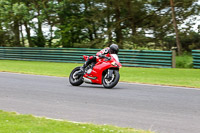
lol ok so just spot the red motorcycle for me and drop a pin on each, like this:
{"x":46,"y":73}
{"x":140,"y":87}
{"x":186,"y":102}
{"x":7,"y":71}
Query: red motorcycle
{"x":104,"y":71}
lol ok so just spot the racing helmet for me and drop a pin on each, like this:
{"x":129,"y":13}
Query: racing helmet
{"x":114,"y":49}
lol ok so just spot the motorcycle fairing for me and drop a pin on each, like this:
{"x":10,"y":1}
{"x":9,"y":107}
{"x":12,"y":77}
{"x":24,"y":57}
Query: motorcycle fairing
{"x":96,"y":75}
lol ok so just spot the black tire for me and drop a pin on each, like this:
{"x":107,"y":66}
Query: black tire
{"x":114,"y":81}
{"x":75,"y":81}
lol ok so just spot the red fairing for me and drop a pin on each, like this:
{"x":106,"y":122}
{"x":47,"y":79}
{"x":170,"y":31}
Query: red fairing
{"x":102,"y":64}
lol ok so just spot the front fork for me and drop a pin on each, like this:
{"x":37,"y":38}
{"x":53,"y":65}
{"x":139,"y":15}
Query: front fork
{"x":109,"y":74}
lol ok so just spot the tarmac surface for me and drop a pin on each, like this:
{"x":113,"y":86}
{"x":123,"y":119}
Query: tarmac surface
{"x":162,"y":109}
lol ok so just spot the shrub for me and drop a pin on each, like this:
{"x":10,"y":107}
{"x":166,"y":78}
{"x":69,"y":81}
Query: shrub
{"x":184,"y":61}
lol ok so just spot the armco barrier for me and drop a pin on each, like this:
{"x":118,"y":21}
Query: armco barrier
{"x":196,"y":58}
{"x":132,"y":58}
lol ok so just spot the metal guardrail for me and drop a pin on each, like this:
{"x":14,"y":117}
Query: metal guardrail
{"x":196,"y":58}
{"x":131,"y":58}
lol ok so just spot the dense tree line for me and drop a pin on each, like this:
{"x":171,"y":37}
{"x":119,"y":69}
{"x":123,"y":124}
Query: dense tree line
{"x":97,"y":23}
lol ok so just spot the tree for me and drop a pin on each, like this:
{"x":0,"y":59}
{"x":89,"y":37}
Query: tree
{"x":97,"y":23}
{"x":13,"y":14}
{"x":183,"y":9}
{"x":10,"y":18}
{"x":176,"y":28}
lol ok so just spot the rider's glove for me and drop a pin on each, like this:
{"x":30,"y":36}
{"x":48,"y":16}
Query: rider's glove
{"x":108,"y":58}
{"x":103,"y":56}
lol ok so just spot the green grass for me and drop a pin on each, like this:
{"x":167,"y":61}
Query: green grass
{"x":172,"y":77}
{"x":161,"y":76}
{"x":14,"y":123}
{"x":38,"y":68}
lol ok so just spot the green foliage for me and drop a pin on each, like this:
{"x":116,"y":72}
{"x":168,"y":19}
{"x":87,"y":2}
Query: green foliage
{"x":97,"y":23}
{"x":184,"y":61}
{"x":190,"y":40}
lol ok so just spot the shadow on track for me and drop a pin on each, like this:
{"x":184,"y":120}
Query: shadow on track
{"x":94,"y":86}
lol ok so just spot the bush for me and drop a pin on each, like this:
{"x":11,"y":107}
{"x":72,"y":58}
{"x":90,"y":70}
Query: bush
{"x":184,"y":61}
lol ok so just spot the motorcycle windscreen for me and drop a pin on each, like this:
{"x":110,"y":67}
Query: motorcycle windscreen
{"x":115,"y":56}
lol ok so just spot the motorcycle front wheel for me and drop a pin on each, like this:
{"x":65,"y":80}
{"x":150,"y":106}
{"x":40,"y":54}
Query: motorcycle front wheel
{"x":112,"y":82}
{"x":75,"y":79}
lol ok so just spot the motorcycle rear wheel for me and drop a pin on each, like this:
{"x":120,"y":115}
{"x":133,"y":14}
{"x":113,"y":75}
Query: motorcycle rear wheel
{"x":74,"y":79}
{"x":110,"y":83}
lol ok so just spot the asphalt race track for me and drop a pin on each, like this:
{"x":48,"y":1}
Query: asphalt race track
{"x":162,"y":109}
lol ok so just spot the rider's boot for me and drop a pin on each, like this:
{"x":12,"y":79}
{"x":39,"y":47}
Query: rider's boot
{"x":89,"y":61}
{"x":83,"y":67}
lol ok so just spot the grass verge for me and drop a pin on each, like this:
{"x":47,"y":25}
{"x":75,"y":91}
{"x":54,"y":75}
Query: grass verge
{"x":11,"y":122}
{"x":161,"y":76}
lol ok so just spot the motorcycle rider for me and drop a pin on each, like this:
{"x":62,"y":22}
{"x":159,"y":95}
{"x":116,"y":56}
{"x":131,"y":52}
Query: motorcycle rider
{"x":113,"y":49}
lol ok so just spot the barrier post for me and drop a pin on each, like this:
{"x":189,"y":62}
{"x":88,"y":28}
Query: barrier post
{"x":173,"y":49}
